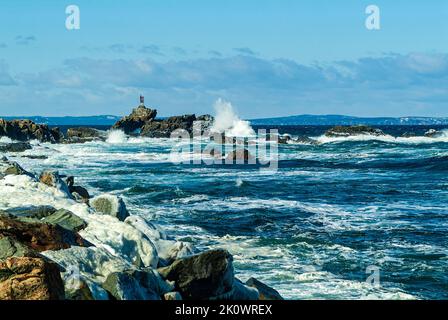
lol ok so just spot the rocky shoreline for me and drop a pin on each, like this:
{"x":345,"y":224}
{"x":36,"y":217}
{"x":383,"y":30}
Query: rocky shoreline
{"x":64,"y":244}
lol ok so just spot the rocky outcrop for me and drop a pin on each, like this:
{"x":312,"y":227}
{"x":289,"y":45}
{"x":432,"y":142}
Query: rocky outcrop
{"x":164,"y":128}
{"x":346,"y":131}
{"x":205,"y":276}
{"x":265,"y":292}
{"x":110,"y":205}
{"x":84,"y":134}
{"x":26,"y":278}
{"x":136,"y":120}
{"x":25,"y":130}
{"x":136,"y":285}
{"x":39,"y":236}
{"x":15,"y":147}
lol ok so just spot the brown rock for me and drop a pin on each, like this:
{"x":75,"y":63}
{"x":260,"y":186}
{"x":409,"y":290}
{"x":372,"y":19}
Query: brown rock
{"x":39,"y":236}
{"x":24,"y":278}
{"x":25,"y":130}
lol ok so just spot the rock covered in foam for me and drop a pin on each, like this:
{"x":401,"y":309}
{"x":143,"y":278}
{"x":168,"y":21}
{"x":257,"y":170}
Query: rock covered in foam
{"x":111,"y":205}
{"x":168,"y":250}
{"x":208,"y":275}
{"x":25,"y":278}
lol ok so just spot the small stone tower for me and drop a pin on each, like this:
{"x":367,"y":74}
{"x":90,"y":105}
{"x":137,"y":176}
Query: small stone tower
{"x":142,"y":101}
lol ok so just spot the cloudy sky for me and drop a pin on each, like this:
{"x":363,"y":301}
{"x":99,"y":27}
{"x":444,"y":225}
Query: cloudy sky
{"x":269,"y":58}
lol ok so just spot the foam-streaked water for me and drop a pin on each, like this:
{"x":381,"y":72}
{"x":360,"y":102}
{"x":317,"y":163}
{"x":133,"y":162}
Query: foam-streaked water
{"x":311,"y":229}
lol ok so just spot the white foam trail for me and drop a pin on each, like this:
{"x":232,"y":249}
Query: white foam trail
{"x":226,"y":120}
{"x":386,"y":138}
{"x":116,"y":137}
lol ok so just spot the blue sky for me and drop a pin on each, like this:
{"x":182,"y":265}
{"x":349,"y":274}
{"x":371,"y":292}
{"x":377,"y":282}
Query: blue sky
{"x":269,"y":58}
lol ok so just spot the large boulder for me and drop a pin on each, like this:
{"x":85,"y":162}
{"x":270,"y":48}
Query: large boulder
{"x":84,"y":134}
{"x":265,"y":292}
{"x":346,"y":131}
{"x":111,"y":205}
{"x":164,"y":128}
{"x":25,"y":130}
{"x":26,"y":278}
{"x":136,"y":120}
{"x":39,"y":236}
{"x":209,"y":275}
{"x":15,"y":147}
{"x":136,"y":285}
{"x":66,"y":219}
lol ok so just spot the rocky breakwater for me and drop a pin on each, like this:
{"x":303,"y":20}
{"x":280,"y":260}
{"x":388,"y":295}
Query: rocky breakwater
{"x":55,"y":245}
{"x":142,"y":121}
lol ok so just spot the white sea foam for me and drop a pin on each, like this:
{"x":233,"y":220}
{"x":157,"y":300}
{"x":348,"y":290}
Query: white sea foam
{"x":386,"y":138}
{"x":226,"y":120}
{"x":116,"y":137}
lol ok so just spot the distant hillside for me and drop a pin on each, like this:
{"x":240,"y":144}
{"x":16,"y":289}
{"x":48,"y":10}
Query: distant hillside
{"x":329,"y":120}
{"x":72,"y":121}
{"x":348,"y":120}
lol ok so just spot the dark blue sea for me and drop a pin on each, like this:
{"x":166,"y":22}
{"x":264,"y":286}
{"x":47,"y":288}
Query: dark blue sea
{"x":348,"y":218}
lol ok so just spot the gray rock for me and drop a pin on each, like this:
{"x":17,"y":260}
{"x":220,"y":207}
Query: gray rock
{"x":110,"y":205}
{"x":15,"y":147}
{"x":208,"y":275}
{"x":11,"y":168}
{"x":36,"y":212}
{"x":265,"y":292}
{"x":242,"y":292}
{"x":164,"y":128}
{"x":10,"y":247}
{"x":136,"y":285}
{"x":66,"y":219}
{"x":346,"y":131}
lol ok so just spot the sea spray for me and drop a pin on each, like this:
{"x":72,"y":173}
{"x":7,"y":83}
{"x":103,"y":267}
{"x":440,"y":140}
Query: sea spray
{"x":226,"y":120}
{"x":116,"y":137}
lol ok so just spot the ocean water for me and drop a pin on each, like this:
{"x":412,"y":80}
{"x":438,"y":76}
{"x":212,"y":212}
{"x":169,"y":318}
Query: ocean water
{"x":314,"y":229}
